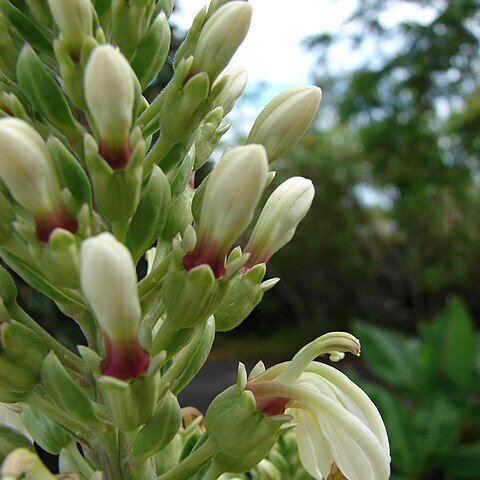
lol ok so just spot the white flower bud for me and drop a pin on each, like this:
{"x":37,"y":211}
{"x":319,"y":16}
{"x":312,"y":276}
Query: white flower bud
{"x":220,"y":37}
{"x":26,"y":168}
{"x":109,"y":93}
{"x":236,"y":79}
{"x":233,"y":192}
{"x":74,"y":20}
{"x":109,"y":283}
{"x":231,"y":195}
{"x":284,"y":210}
{"x":285,"y":120}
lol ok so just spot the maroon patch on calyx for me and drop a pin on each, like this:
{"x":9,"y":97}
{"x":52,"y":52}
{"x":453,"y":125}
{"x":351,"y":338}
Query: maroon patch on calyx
{"x":124,"y":361}
{"x":272,"y":406}
{"x":61,"y":219}
{"x":117,"y":158}
{"x":205,"y":255}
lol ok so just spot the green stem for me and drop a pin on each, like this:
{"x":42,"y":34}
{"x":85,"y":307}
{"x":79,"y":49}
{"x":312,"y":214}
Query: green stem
{"x":68,"y":358}
{"x":156,"y":154}
{"x":192,"y":463}
{"x":180,"y":362}
{"x":151,"y":281}
{"x":152,"y":111}
{"x":164,"y":336}
{"x":85,"y":321}
{"x":133,"y":469}
{"x":108,"y":454}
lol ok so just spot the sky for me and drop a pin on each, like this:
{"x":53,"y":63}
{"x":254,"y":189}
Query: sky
{"x":273,"y":53}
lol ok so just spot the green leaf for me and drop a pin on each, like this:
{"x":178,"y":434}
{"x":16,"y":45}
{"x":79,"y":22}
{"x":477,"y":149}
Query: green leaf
{"x":28,"y":29}
{"x":71,"y":173}
{"x":389,"y":354}
{"x":447,"y":357}
{"x":64,"y":392}
{"x":47,"y":433}
{"x":160,"y":429}
{"x":43,"y":91}
{"x":464,"y":464}
{"x":438,"y":426}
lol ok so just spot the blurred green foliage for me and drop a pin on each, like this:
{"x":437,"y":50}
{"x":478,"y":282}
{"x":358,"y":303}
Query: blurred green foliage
{"x":394,"y":229}
{"x":428,"y":392}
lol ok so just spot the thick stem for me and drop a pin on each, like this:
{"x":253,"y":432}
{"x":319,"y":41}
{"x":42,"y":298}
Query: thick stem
{"x":108,"y":454}
{"x":192,"y":463}
{"x":134,"y":469}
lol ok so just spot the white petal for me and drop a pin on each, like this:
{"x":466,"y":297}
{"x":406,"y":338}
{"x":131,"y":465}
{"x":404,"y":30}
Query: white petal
{"x":354,"y":399}
{"x":354,"y":447}
{"x":313,"y":448}
{"x":349,"y":455}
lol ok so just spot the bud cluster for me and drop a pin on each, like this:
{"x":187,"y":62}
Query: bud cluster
{"x":93,"y":179}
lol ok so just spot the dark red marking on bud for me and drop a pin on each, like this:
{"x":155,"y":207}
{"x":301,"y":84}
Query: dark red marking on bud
{"x":191,"y":73}
{"x":124,"y":361}
{"x":76,"y":56}
{"x":117,"y":158}
{"x":46,"y":225}
{"x":267,"y":405}
{"x":191,"y":180}
{"x":206,"y":255}
{"x":272,"y":406}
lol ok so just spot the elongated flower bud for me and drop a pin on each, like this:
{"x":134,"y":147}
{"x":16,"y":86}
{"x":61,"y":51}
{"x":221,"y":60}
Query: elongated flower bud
{"x":109,"y":283}
{"x":220,"y":37}
{"x":235,"y":80}
{"x":109,"y":93}
{"x":28,"y":173}
{"x":284,"y":210}
{"x":285,"y":120}
{"x":231,"y":195}
{"x":74,"y":20}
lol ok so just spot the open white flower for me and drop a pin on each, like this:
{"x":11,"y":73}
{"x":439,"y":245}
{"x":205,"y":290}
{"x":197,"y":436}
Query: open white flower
{"x":337,"y":423}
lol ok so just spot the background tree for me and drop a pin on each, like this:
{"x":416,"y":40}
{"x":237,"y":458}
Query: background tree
{"x":395,"y":226}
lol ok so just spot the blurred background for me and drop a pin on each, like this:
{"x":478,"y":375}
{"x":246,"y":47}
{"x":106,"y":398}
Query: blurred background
{"x":391,"y":247}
